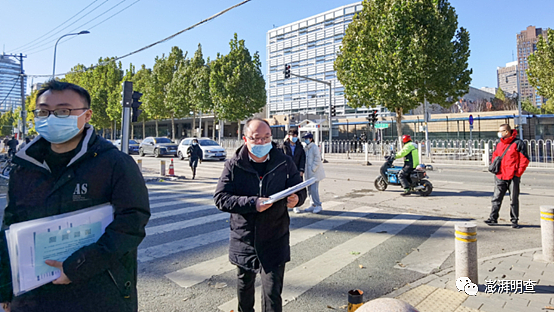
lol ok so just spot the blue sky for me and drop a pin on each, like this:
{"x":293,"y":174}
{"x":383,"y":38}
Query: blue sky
{"x":493,"y":25}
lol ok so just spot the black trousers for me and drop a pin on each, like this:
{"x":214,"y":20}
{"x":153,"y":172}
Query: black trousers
{"x":272,"y":286}
{"x":500,"y":188}
{"x":404,"y":176}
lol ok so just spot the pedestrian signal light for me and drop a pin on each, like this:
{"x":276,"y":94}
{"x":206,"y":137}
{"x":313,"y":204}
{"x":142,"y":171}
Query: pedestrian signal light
{"x":287,"y":71}
{"x":135,"y":104}
{"x":333,"y":111}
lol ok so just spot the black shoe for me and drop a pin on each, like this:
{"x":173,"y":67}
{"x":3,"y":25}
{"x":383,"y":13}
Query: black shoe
{"x":515,"y":225}
{"x":405,"y":193}
{"x":490,"y":221}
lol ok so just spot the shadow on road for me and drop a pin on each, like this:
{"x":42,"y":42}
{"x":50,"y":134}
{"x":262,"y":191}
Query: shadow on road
{"x":462,"y":193}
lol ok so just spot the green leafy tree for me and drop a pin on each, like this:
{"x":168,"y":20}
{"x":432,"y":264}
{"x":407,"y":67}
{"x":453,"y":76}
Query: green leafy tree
{"x":199,"y":85}
{"x":237,"y":86}
{"x":527,"y":106}
{"x":141,"y":81}
{"x":400,"y":53}
{"x":7,"y":120}
{"x":30,"y":106}
{"x":541,"y":66}
{"x":500,"y":95}
{"x":177,"y":97}
{"x":548,"y":107}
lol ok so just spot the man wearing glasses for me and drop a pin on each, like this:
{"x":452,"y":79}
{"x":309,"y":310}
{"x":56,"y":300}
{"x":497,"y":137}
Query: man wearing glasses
{"x":68,"y":168}
{"x":259,"y":241}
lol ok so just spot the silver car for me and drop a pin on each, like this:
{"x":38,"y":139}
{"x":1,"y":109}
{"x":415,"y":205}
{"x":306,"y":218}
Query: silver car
{"x":210,"y":149}
{"x":157,"y":147}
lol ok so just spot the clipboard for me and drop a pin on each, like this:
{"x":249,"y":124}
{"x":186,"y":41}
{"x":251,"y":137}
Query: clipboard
{"x":291,"y":190}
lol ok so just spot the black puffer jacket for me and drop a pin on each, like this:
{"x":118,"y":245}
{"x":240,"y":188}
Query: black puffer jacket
{"x":104,"y":274}
{"x":257,"y":235}
{"x":299,"y":156}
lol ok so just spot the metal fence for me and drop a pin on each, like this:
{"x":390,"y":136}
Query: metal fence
{"x":476,"y":152}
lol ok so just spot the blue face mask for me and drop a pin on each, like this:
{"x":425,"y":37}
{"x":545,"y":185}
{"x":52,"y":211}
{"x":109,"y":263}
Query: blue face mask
{"x":307,"y":141}
{"x":58,"y":130}
{"x":261,"y":150}
{"x":194,"y":143}
{"x":294,"y":139}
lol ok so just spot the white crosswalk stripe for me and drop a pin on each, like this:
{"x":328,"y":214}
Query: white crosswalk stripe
{"x":184,"y":208}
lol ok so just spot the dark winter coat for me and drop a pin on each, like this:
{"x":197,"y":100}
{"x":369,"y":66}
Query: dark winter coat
{"x":515,"y":161}
{"x":299,"y":156}
{"x":194,"y":152}
{"x":104,"y":274}
{"x":262,"y":236}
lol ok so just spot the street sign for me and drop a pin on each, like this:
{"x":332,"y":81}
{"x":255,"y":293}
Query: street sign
{"x":471,"y":120}
{"x":470,"y":127}
{"x":520,"y":121}
{"x":381,"y":125}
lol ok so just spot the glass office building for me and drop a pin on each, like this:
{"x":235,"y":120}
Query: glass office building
{"x":310,"y":47}
{"x":10,"y":84}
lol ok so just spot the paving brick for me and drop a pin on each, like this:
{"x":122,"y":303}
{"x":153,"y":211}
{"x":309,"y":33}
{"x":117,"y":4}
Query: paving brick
{"x":536,"y":306}
{"x":416,"y":295}
{"x":535,"y":297}
{"x":516,"y":303}
{"x":533,"y":272}
{"x":442,"y":300}
{"x":438,"y":283}
{"x":474,"y":302}
{"x":465,"y":309}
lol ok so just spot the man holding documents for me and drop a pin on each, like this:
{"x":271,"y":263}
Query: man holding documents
{"x":66,"y":169}
{"x":259,"y":241}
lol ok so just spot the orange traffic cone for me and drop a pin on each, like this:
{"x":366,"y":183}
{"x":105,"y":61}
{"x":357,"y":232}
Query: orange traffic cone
{"x":171,"y":170}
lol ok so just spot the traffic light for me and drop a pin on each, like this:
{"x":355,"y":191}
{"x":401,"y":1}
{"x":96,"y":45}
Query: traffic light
{"x":287,"y":71}
{"x":135,"y":105}
{"x":333,"y":111}
{"x":126,"y":92}
{"x":374,"y":116}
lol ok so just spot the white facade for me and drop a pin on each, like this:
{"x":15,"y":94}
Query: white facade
{"x":310,"y":47}
{"x":10,"y":84}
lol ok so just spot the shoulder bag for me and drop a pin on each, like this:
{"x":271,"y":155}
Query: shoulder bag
{"x":494,"y":167}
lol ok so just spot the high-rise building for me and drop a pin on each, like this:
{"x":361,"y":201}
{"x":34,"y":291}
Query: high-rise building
{"x":10,"y":84}
{"x":310,"y":47}
{"x":526,"y":45}
{"x":507,"y":78}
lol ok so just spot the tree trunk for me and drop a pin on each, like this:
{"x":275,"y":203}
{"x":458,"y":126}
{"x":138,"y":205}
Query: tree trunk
{"x":143,"y":128}
{"x":194,"y":133}
{"x":157,"y":134}
{"x":399,"y":125}
{"x":132,"y":131}
{"x":173,"y":126}
{"x":238,"y":130}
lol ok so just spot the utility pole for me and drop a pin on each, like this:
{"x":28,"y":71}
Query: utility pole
{"x":23,"y":108}
{"x":126,"y":101}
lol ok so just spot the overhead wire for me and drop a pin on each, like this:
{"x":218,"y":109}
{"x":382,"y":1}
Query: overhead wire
{"x":47,"y":40}
{"x":20,"y":47}
{"x":89,"y":28}
{"x":160,"y":41}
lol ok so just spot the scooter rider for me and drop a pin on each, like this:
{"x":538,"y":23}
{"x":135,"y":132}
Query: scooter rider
{"x":411,"y":161}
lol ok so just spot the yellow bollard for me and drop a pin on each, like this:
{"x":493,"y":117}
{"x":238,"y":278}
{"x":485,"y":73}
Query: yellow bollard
{"x":162,"y":168}
{"x":355,"y":300}
{"x":139,"y":163}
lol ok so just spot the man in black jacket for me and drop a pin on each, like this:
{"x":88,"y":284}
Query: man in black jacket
{"x":294,"y":149}
{"x":68,"y":170}
{"x":195,"y":153}
{"x":259,"y":241}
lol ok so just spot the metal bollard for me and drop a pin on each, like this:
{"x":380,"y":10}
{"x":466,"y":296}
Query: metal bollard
{"x":355,"y":299}
{"x":547,"y":233}
{"x":162,"y":167}
{"x":466,"y":251}
{"x":139,"y":163}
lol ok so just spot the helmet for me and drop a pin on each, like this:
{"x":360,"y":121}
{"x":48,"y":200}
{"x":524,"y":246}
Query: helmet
{"x":406,"y":138}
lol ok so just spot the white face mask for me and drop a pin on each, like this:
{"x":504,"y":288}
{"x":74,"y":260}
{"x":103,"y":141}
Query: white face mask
{"x":499,"y":134}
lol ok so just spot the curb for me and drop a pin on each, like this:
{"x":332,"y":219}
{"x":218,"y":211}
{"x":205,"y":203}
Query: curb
{"x":429,"y":278}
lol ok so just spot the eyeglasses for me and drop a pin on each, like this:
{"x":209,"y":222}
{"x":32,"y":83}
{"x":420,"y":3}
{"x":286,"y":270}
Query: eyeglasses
{"x":60,"y":112}
{"x":262,"y":140}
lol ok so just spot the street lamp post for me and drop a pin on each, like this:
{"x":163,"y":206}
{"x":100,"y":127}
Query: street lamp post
{"x":84,"y":32}
{"x":518,"y":101}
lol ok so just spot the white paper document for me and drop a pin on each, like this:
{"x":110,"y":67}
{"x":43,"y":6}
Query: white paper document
{"x":32,"y":242}
{"x":291,"y":190}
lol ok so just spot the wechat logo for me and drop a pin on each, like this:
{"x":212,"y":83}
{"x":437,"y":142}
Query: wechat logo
{"x":465,"y":284}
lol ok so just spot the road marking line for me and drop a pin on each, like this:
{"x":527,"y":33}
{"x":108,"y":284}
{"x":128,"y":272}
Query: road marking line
{"x":202,"y":271}
{"x":307,"y":275}
{"x":202,"y":198}
{"x":164,"y":250}
{"x":164,"y":228}
{"x":181,"y":211}
{"x":431,"y":253}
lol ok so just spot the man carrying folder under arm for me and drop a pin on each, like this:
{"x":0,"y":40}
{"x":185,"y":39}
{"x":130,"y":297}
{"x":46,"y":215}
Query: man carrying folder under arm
{"x":259,"y":241}
{"x":68,"y":168}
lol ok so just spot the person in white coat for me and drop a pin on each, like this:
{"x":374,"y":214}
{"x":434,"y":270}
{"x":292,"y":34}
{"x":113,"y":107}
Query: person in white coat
{"x":314,"y":168}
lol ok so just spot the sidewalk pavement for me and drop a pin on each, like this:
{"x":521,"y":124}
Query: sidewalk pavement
{"x":512,"y":291}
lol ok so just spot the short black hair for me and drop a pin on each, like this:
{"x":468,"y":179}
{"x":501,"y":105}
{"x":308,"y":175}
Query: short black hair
{"x":507,"y":126}
{"x":56,"y":85}
{"x":247,"y":124}
{"x":293,"y":132}
{"x":195,"y":140}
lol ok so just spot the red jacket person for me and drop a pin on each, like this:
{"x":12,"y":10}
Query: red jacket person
{"x":512,"y":167}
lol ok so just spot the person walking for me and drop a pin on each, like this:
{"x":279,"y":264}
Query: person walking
{"x":512,"y":167}
{"x":293,"y":148}
{"x":22,"y":145}
{"x":259,"y":239}
{"x":314,"y":169}
{"x":195,"y":154}
{"x":411,"y":161}
{"x":5,"y":142}
{"x":66,"y":169}
{"x":12,"y":144}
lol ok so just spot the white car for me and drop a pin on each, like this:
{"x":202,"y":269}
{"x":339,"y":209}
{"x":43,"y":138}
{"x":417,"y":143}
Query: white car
{"x":210,"y":148}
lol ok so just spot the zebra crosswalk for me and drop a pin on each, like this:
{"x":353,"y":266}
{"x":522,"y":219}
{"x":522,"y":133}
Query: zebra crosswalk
{"x":185,"y":221}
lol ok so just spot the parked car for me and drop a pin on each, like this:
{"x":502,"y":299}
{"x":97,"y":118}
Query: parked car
{"x":133,"y":146}
{"x":211,"y":150}
{"x":157,"y":147}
